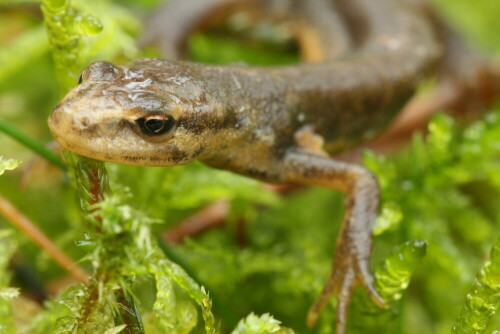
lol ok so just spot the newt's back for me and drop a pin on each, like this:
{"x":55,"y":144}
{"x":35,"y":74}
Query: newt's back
{"x":363,"y":59}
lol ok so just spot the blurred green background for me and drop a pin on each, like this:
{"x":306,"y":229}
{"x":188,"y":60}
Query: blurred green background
{"x":289,"y":239}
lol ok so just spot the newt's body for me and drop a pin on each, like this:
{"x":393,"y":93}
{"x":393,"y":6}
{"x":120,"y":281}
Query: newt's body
{"x":271,"y":123}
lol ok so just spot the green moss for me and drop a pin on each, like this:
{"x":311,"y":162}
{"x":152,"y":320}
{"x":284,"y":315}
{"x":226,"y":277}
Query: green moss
{"x":8,"y":164}
{"x":66,"y":26}
{"x":442,"y":189}
{"x":483,"y":298}
{"x":7,"y":248}
{"x":265,"y":324}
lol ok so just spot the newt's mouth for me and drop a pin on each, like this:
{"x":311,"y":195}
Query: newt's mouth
{"x":111,"y":140}
{"x":82,"y":133}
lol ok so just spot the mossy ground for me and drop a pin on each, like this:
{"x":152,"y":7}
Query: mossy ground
{"x":442,"y":190}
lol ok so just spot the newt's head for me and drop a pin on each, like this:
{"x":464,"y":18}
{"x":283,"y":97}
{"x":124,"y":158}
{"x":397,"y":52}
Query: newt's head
{"x":150,"y":113}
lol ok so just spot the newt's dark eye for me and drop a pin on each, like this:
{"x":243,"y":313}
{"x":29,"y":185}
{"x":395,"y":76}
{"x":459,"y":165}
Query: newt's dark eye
{"x":80,"y":79}
{"x":155,"y":125}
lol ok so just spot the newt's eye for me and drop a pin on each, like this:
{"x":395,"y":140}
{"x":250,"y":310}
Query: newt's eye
{"x":155,"y":125}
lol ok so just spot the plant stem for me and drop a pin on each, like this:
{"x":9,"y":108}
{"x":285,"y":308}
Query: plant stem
{"x":37,"y":236}
{"x":32,"y":144}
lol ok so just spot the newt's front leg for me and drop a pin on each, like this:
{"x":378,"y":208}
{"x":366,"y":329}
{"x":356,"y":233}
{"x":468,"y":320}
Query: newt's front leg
{"x":351,"y":261}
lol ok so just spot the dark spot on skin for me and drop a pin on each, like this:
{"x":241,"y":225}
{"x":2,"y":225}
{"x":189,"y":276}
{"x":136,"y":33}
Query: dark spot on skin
{"x":310,"y":173}
{"x":257,"y":174}
{"x":253,"y":137}
{"x":84,"y":121}
{"x":198,"y":151}
{"x":195,"y":125}
{"x":238,"y":125}
{"x":173,"y":153}
{"x":178,"y":155}
{"x":155,"y":159}
{"x":230,"y":120}
{"x":57,"y":106}
{"x":203,"y":122}
{"x":132,"y":158}
{"x":88,"y":130}
{"x":202,"y":99}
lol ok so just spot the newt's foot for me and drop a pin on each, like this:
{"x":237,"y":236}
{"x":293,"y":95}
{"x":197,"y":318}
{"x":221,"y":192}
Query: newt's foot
{"x":350,"y":270}
{"x":351,"y":267}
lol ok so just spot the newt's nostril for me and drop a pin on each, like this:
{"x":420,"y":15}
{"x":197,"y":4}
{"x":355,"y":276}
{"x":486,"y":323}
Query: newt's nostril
{"x":84,"y":121}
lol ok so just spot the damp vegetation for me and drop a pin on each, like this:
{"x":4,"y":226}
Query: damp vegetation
{"x":436,"y":247}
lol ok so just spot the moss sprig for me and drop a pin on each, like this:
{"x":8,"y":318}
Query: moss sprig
{"x":483,"y":299}
{"x":392,"y":277}
{"x":7,"y":248}
{"x":8,"y":164}
{"x":65,"y":27}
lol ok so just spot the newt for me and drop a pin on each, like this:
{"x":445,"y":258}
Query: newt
{"x":363,"y":60}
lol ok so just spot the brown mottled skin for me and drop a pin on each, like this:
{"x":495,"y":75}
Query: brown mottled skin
{"x":367,"y":59}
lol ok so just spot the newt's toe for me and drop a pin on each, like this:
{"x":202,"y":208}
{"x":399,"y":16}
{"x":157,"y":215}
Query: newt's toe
{"x":344,"y":278}
{"x":366,"y":280}
{"x":329,"y":289}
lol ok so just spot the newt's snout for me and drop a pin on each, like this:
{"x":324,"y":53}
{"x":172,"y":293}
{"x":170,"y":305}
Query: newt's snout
{"x":85,"y":123}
